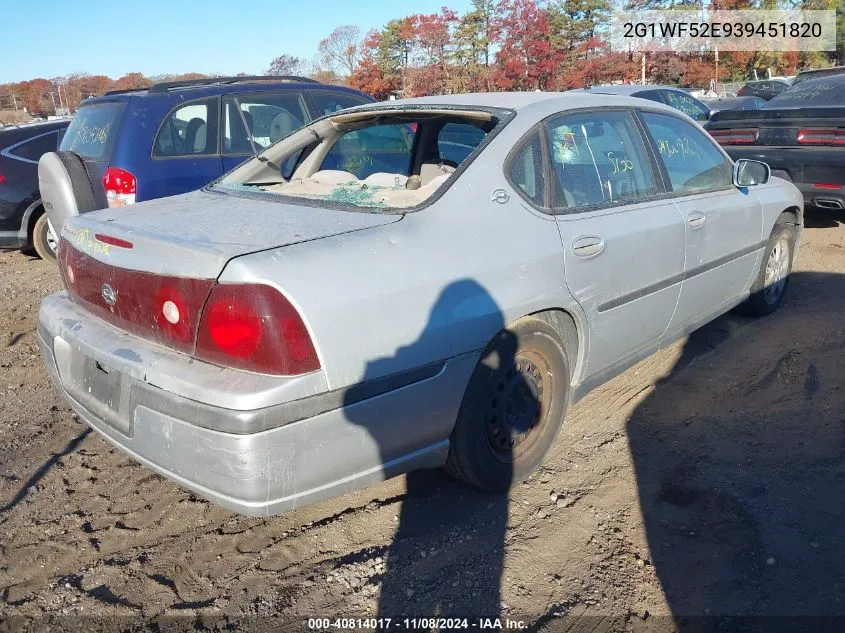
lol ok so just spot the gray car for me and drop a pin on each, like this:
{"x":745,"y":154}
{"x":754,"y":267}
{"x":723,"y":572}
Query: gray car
{"x":406,"y":285}
{"x":675,"y":97}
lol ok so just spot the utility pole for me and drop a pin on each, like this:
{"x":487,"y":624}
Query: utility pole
{"x":716,"y":53}
{"x":15,"y":101}
{"x":642,"y":70}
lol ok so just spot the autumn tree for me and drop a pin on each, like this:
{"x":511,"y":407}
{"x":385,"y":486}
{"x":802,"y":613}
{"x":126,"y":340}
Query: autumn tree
{"x":132,"y":81}
{"x":475,"y":36}
{"x":340,"y":51}
{"x":376,"y":73}
{"x":286,"y":64}
{"x":526,"y":59}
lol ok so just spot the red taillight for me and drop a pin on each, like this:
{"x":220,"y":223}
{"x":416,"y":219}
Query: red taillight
{"x":234,"y":328}
{"x":746,"y":136}
{"x":159,"y":308}
{"x":2,"y":178}
{"x":254,"y":327}
{"x":244,"y":326}
{"x":821,"y":136}
{"x":120,"y":185}
{"x":825,"y":185}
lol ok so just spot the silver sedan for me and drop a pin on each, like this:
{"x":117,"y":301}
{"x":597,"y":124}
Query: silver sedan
{"x":406,"y":285}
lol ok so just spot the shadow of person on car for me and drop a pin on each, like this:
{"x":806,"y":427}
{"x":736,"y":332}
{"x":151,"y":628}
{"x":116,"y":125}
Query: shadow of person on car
{"x":446,"y":557}
{"x":739,"y":456}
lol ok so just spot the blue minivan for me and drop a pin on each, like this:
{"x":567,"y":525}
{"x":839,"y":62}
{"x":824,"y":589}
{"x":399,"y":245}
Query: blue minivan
{"x":176,"y":137}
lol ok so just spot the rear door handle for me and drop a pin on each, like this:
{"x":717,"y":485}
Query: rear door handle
{"x":587,"y":246}
{"x":696,"y":219}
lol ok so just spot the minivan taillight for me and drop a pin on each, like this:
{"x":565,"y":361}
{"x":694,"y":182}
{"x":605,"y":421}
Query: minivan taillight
{"x":255,"y":328}
{"x":120,"y":186}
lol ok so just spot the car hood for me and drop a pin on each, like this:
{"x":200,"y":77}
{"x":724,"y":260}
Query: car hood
{"x":195,"y":234}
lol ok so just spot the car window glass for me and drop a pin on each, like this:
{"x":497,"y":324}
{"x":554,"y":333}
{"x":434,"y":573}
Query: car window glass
{"x":597,"y":158}
{"x":651,"y":95}
{"x":188,"y":130}
{"x":824,"y":91}
{"x":379,"y":148}
{"x":686,"y":104}
{"x":93,"y":130}
{"x":327,"y":102}
{"x":456,"y":141}
{"x":34,"y":148}
{"x":260,"y":119}
{"x":525,"y":171}
{"x":692,"y":160}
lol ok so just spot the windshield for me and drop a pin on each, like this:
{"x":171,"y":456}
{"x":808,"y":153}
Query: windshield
{"x":394,"y":160}
{"x":92,"y":131}
{"x":824,"y":91}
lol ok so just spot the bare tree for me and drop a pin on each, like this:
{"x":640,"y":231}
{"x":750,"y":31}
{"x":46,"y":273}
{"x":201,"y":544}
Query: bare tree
{"x":286,"y":64}
{"x":340,"y":51}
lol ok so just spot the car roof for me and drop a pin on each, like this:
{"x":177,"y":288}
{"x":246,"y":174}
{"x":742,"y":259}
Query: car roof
{"x":35,"y":127}
{"x":741,"y":99}
{"x":829,"y":70}
{"x":779,"y":80}
{"x":516,"y":101}
{"x":624,"y":89}
{"x":217,"y":86}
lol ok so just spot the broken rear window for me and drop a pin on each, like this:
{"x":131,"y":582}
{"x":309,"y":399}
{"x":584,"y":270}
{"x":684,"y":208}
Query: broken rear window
{"x":376,"y":160}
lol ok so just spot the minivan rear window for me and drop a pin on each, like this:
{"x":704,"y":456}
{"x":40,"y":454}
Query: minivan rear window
{"x":93,"y":130}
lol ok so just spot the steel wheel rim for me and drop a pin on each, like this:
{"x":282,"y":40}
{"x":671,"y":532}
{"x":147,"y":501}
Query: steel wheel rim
{"x":519,"y":405}
{"x":52,"y":240}
{"x":777,"y":268}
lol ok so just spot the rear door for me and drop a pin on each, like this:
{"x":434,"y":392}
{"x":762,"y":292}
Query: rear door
{"x":623,"y":244}
{"x":92,"y":134}
{"x":723,"y":224}
{"x":254,"y":121}
{"x":185,"y":153}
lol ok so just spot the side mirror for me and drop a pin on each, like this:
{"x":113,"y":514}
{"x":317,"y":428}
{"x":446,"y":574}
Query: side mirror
{"x":748,"y":173}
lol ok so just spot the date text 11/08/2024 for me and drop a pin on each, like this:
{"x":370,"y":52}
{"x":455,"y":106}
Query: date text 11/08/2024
{"x":424,"y":624}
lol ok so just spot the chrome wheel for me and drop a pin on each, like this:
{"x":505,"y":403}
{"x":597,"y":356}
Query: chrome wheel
{"x":52,"y":239}
{"x":777,"y":270}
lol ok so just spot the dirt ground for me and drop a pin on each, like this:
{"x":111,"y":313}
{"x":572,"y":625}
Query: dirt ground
{"x":706,"y":481}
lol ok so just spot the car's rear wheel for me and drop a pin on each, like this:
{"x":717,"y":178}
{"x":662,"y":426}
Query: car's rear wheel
{"x":44,"y":239}
{"x":513,"y":407}
{"x":769,"y":288}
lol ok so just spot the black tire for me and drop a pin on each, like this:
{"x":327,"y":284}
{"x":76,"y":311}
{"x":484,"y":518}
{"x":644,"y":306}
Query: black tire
{"x":513,"y":407}
{"x":41,"y":240}
{"x":766,"y":297}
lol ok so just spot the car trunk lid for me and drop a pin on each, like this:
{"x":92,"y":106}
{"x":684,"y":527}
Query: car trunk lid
{"x":149,"y":269}
{"x":195,"y":234}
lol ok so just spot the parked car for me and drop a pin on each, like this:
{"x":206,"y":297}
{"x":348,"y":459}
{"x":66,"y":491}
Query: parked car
{"x":766,"y":90}
{"x":678,"y":98}
{"x":804,"y":75}
{"x":720,"y":104}
{"x":22,"y":220}
{"x":174,"y":137}
{"x":800,"y":134}
{"x":277,"y":339}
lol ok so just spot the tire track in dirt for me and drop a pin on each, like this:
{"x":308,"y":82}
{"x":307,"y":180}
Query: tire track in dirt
{"x":576,"y":545}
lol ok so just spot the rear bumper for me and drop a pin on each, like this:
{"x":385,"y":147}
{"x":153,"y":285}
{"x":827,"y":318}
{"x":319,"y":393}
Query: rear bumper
{"x":288,"y":462}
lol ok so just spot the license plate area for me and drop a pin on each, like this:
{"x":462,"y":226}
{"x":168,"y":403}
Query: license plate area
{"x":101,"y":389}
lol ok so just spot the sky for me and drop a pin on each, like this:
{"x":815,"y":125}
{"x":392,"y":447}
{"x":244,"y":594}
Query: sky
{"x":49,"y":38}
